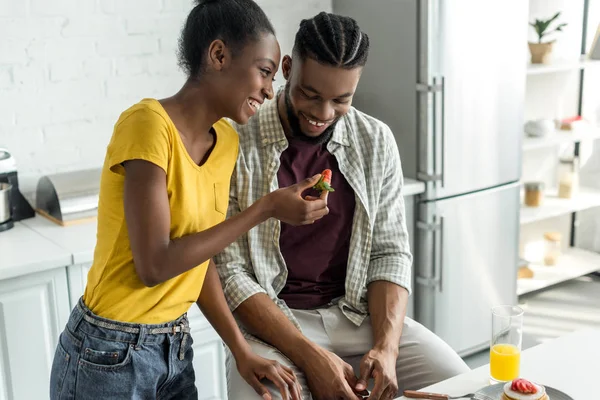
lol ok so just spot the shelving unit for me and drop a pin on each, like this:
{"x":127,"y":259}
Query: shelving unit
{"x":554,"y":206}
{"x":572,"y":264}
{"x":561,"y":137}
{"x":562,"y":66}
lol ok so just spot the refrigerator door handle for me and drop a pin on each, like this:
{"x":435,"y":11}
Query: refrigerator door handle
{"x":439,"y":257}
{"x":439,"y":128}
{"x":438,"y":134}
{"x":443,"y":131}
{"x":436,"y":252}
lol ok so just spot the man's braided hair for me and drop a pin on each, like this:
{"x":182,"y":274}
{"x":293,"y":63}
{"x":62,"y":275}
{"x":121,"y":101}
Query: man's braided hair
{"x":332,"y":39}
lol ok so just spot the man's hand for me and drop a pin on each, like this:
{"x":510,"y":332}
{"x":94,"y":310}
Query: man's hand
{"x":254,"y":368}
{"x":380,"y":365}
{"x":329,"y":377}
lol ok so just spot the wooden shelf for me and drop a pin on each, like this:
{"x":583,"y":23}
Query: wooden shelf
{"x":572,"y":264}
{"x":561,"y":137}
{"x":553,"y":206}
{"x":561,"y":66}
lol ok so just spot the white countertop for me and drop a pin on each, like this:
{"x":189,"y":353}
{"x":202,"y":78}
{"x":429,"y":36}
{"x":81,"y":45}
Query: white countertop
{"x":412,"y":187}
{"x":24,"y":251}
{"x":79,"y":239}
{"x":569,"y":364}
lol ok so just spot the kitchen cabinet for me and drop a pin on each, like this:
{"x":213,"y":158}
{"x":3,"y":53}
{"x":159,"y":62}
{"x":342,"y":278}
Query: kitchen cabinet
{"x":34,"y":309}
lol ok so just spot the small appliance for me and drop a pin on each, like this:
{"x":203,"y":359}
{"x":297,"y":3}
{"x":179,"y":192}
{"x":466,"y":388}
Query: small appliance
{"x":18,"y":206}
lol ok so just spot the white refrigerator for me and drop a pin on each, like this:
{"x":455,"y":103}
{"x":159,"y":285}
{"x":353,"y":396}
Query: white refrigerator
{"x":448,"y":77}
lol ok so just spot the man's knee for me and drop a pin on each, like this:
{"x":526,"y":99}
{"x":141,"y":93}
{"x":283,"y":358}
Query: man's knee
{"x":432,"y":359}
{"x":449,"y":362}
{"x":238,"y":388}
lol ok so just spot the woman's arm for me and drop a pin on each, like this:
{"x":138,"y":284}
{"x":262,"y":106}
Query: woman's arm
{"x":157,"y":258}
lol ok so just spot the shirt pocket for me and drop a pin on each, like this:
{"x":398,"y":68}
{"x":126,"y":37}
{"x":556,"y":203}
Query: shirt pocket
{"x":221,"y":197}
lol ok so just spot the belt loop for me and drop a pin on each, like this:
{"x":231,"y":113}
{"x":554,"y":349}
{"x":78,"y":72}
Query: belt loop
{"x":184,"y":324}
{"x":141,"y":337}
{"x":77,"y":315}
{"x":183,"y":343}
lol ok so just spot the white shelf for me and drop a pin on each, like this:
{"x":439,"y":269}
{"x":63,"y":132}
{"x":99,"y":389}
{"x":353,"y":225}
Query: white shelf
{"x":561,"y":66}
{"x":412,"y":187}
{"x":572,"y":264}
{"x":553,"y":206}
{"x":561,"y":137}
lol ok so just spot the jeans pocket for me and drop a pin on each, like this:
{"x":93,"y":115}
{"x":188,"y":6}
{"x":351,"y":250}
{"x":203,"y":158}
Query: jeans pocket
{"x":104,"y":354}
{"x":60,"y":364}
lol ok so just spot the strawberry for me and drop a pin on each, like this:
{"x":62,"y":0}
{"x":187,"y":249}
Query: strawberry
{"x":531,"y":388}
{"x":324,"y":183}
{"x":523,"y":386}
{"x":515,"y":386}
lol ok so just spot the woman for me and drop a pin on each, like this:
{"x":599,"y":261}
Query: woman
{"x":161,"y":217}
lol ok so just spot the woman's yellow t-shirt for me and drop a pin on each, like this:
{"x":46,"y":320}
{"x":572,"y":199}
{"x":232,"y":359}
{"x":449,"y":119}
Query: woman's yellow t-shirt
{"x":198,"y":199}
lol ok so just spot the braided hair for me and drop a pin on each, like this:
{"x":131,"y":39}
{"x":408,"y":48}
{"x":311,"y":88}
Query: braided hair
{"x":332,"y":39}
{"x":235,"y":22}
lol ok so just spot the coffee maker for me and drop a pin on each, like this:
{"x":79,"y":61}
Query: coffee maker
{"x":19,"y":207}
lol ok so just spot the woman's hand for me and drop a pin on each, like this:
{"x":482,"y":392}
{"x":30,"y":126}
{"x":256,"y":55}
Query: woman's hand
{"x":253,"y":368}
{"x":287,"y":205}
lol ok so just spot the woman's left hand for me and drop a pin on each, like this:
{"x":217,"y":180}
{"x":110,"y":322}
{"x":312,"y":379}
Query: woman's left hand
{"x":253,"y":368}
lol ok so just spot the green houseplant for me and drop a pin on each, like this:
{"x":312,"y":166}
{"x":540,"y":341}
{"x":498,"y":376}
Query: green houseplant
{"x":540,"y":51}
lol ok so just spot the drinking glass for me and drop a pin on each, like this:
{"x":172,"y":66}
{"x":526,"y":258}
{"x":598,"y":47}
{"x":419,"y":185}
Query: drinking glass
{"x":505,"y":345}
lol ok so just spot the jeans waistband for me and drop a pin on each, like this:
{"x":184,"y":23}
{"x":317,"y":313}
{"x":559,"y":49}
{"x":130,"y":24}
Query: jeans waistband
{"x":142,"y":331}
{"x":179,"y":325}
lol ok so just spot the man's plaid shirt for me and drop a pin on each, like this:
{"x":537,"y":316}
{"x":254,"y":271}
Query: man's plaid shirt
{"x":368,"y":158}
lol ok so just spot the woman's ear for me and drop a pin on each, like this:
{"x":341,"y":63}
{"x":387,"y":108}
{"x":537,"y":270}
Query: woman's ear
{"x":218,"y":55}
{"x":286,"y":66}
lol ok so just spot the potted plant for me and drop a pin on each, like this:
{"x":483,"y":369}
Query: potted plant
{"x":540,"y":52}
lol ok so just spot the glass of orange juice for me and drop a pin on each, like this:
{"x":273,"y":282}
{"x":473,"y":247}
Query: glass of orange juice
{"x":505,"y":346}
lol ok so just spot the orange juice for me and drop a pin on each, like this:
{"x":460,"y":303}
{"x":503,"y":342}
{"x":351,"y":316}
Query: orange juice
{"x":504,"y":362}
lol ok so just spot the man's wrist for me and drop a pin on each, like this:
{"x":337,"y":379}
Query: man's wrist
{"x":387,"y":347}
{"x":303,"y":351}
{"x":388,"y":344}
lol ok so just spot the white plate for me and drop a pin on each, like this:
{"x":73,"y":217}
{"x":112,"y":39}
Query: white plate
{"x":496,"y":391}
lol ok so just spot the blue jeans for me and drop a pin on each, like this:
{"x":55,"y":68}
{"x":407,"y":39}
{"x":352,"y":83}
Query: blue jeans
{"x":97,"y":358}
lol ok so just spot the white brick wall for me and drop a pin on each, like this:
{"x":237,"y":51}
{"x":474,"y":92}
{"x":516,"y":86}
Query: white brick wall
{"x":68,"y":68}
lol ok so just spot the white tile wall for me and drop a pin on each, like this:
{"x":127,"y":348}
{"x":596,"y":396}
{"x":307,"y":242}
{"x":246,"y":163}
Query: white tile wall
{"x":69,"y":67}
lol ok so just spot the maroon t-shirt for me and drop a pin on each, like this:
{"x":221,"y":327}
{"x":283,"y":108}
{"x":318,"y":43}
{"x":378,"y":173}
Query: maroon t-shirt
{"x":316,"y":255}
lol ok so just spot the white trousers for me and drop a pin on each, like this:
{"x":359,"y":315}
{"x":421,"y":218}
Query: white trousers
{"x":423,"y":358}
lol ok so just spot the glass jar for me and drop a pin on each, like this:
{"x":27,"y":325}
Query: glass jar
{"x":552,"y":249}
{"x":534,"y":194}
{"x":568,"y":178}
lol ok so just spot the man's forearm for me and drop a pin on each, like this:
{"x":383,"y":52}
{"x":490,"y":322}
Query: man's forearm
{"x":263,"y":318}
{"x":387,"y":306}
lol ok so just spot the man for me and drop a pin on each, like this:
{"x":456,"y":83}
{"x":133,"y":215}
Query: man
{"x":328,"y":299}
